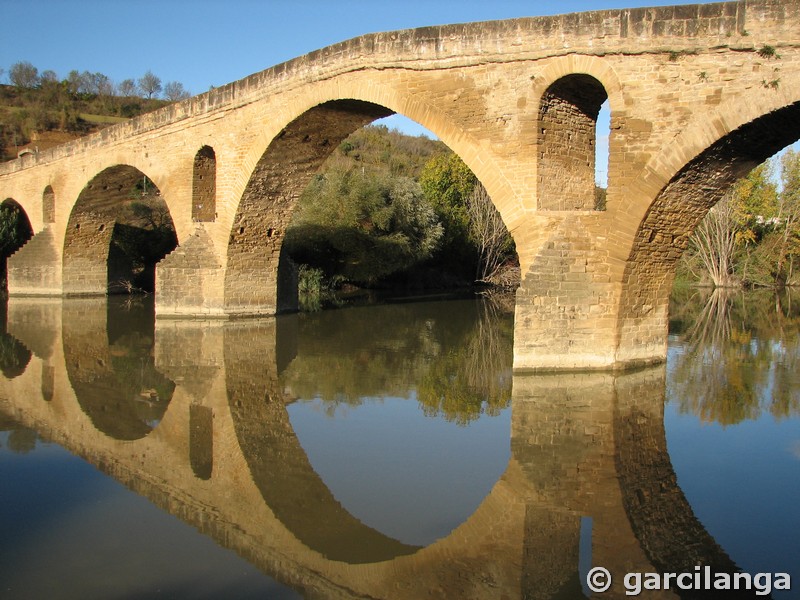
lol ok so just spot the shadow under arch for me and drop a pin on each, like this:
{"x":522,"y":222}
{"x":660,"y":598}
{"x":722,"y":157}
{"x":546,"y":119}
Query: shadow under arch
{"x":108,"y":350}
{"x":15,"y":231}
{"x":119,"y":228}
{"x":663,"y":234}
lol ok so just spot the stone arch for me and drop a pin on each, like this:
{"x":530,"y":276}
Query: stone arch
{"x":567,"y":120}
{"x":119,"y":228}
{"x":284,"y":170}
{"x":48,"y":205}
{"x":18,"y":232}
{"x":281,"y":175}
{"x":475,"y":154}
{"x":204,"y":185}
{"x":664,"y":231}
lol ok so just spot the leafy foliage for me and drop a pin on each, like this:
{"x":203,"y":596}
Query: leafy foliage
{"x":388,"y":207}
{"x":448,"y":184}
{"x":752,"y":236}
{"x":362,"y":227}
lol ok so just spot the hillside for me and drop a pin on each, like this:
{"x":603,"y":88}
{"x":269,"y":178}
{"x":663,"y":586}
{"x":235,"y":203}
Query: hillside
{"x":39,"y":118}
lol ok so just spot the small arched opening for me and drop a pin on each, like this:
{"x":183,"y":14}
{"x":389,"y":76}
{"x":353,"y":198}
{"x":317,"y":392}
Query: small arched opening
{"x":204,"y":185}
{"x":568,"y":139}
{"x":48,"y":205}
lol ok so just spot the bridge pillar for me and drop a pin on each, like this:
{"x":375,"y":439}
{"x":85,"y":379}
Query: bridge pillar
{"x":566,"y":304}
{"x":35,"y":269}
{"x":190,"y":280}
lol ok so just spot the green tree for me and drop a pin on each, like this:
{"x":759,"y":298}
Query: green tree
{"x":362,"y":226}
{"x":448,"y":184}
{"x":788,"y":217}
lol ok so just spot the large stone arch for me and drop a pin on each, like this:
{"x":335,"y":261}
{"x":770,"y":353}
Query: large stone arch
{"x":266,"y":206}
{"x":385,"y":94}
{"x":729,"y":144}
{"x":106,"y":210}
{"x":284,"y":169}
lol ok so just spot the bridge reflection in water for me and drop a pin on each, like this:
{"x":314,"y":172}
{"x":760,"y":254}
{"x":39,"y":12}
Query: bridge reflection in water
{"x":193,"y":416}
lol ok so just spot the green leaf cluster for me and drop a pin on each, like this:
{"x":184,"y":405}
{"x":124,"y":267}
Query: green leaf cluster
{"x":362,"y":225}
{"x":762,"y":214}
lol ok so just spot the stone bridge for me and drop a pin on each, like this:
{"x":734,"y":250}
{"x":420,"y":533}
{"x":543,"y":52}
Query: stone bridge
{"x":698,"y":95}
{"x":218,"y":450}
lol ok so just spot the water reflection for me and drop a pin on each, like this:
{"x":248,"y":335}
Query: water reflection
{"x":736,"y":355}
{"x":455,"y":357}
{"x":109,"y":349}
{"x":586,"y":478}
{"x":14,"y":356}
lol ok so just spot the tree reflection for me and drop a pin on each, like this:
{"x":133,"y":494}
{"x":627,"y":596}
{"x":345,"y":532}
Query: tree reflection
{"x":455,"y":358}
{"x":474,"y":376}
{"x":737,"y":355}
{"x":20,"y":440}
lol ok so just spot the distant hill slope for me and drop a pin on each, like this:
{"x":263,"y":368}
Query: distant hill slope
{"x":39,"y":118}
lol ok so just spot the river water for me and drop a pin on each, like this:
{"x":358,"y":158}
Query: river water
{"x":389,"y":451}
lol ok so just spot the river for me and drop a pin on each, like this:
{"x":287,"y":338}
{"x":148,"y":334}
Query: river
{"x":388,"y":451}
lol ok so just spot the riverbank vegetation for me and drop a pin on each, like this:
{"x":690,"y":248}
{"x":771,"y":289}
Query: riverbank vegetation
{"x":736,"y":353}
{"x":392,"y":211}
{"x":751,"y":238}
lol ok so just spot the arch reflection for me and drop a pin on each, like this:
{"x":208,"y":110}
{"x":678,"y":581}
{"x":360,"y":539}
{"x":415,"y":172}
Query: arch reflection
{"x":584,"y":448}
{"x":108,"y":350}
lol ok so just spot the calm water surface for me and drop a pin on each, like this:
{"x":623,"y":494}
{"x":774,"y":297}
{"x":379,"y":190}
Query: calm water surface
{"x":387,"y":451}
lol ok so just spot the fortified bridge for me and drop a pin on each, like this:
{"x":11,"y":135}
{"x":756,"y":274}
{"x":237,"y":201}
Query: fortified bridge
{"x":698,"y":96}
